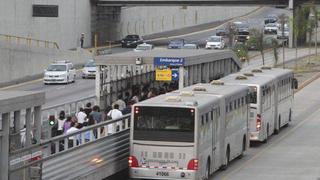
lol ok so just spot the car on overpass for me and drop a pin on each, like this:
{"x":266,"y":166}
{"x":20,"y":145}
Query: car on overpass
{"x":215,"y":42}
{"x":60,"y":72}
{"x":89,"y":69}
{"x":271,"y":28}
{"x":176,"y":44}
{"x":143,"y":47}
{"x":191,"y":46}
{"x":270,"y":19}
{"x":132,"y":41}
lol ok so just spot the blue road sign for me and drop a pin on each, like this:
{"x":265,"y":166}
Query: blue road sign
{"x":168,"y":61}
{"x":175,"y":74}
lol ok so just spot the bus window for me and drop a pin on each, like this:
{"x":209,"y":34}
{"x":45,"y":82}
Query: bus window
{"x":164,"y":124}
{"x":253,"y":95}
{"x":294,"y":83}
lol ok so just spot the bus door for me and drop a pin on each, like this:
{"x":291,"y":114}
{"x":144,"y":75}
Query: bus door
{"x":274,"y":105}
{"x":215,"y":146}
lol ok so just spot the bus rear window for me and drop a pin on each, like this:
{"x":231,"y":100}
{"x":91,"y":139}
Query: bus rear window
{"x":253,"y":94}
{"x":164,"y":124}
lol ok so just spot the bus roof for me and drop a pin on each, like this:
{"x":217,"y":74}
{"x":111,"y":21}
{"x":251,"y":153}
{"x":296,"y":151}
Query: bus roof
{"x":240,"y":78}
{"x":275,"y":72}
{"x":177,"y":100}
{"x":219,"y":90}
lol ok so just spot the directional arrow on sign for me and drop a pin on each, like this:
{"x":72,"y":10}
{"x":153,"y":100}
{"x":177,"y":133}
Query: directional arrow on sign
{"x":175,"y":75}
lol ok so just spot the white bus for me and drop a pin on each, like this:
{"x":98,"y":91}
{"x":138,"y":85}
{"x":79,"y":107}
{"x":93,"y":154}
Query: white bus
{"x":271,"y":98}
{"x":284,"y":83}
{"x":188,"y":134}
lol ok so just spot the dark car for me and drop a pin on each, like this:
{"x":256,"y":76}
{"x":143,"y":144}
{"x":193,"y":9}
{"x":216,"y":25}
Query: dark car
{"x":131,"y":41}
{"x":176,"y":44}
{"x":270,"y":19}
{"x":242,"y":35}
{"x":222,"y":32}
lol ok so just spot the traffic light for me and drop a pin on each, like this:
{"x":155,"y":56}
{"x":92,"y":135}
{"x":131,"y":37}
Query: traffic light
{"x":52,"y":120}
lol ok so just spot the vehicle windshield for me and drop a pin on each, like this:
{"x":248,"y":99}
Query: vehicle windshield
{"x":56,"y":67}
{"x":214,"y":39}
{"x":189,"y":46}
{"x":241,"y":25}
{"x":90,"y":64}
{"x":271,"y":25}
{"x":253,"y":94}
{"x":143,"y":47}
{"x":178,"y":41}
{"x":132,"y":37}
{"x":164,"y":124}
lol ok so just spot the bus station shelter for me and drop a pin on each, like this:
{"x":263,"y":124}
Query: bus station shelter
{"x":118,"y":73}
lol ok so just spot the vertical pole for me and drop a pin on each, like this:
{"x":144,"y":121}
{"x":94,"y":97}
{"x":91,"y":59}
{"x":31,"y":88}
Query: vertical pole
{"x":4,"y":147}
{"x":291,"y":8}
{"x":37,"y":123}
{"x":17,"y":128}
{"x":28,"y":127}
{"x":181,"y":77}
{"x":98,"y":87}
{"x":283,"y":56}
{"x":95,"y":43}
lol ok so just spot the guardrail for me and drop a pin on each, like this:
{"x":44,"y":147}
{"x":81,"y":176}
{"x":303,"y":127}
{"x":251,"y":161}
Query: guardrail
{"x":82,"y":153}
{"x":29,"y":41}
{"x":70,"y":108}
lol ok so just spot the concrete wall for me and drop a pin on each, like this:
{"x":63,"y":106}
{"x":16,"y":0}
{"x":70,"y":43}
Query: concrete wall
{"x":21,"y":63}
{"x":74,"y":18}
{"x":148,"y":20}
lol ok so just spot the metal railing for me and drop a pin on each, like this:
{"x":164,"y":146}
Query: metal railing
{"x":82,"y":151}
{"x":28,"y":41}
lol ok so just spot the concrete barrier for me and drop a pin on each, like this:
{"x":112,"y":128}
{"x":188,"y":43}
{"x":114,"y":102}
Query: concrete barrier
{"x":22,"y":63}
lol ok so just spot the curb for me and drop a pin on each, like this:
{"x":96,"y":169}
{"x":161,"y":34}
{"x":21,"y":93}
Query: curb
{"x":307,"y":82}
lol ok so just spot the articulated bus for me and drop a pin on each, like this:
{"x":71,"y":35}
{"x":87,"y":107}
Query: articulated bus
{"x":284,"y":83}
{"x":190,"y":133}
{"x":271,"y":99}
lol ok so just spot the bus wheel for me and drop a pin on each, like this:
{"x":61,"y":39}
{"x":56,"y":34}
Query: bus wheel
{"x":207,"y":174}
{"x":277,"y":129}
{"x":227,"y":159}
{"x":266,"y":140}
{"x":244,"y":144}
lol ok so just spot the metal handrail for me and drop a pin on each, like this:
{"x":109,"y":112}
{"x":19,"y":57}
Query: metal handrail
{"x":29,"y":41}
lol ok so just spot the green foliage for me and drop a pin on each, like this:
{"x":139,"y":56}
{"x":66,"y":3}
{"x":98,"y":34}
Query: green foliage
{"x":241,"y":51}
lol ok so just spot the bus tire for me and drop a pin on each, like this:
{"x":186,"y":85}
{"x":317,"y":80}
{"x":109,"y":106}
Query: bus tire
{"x":227,"y":159}
{"x":277,"y":129}
{"x":267,"y":136}
{"x":244,"y":145}
{"x":207,"y":173}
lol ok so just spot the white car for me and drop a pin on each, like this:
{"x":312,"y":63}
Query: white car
{"x":271,"y":28}
{"x":215,"y":42}
{"x":89,"y":70}
{"x":60,"y":72}
{"x":143,"y":47}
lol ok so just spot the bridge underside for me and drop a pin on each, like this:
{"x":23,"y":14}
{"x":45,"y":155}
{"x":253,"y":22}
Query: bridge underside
{"x":277,"y":3}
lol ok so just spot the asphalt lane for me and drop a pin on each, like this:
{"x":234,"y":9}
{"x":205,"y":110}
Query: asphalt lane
{"x":293,"y":154}
{"x":57,"y":94}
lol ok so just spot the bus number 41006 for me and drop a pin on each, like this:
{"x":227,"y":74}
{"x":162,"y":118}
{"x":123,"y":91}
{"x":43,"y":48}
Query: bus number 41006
{"x":162,"y":173}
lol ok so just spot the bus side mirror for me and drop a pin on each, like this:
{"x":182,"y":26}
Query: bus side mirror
{"x":294,"y":83}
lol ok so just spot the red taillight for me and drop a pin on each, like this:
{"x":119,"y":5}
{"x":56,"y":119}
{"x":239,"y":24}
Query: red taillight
{"x":258,"y":123}
{"x":193,"y":164}
{"x":132,"y":161}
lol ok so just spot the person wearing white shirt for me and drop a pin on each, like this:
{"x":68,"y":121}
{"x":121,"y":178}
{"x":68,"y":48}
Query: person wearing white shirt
{"x":81,"y":116}
{"x":61,"y":120}
{"x":72,"y":129}
{"x":114,"y":114}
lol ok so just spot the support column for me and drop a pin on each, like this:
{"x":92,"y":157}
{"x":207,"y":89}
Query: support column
{"x":291,"y":16}
{"x":4,"y":147}
{"x":98,"y":87}
{"x":181,"y":77}
{"x":37,"y":123}
{"x":28,"y":127}
{"x":16,"y":121}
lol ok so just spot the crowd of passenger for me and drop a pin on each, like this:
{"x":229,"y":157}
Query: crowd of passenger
{"x":90,"y":115}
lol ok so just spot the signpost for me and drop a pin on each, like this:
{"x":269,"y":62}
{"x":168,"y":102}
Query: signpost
{"x":173,"y":69}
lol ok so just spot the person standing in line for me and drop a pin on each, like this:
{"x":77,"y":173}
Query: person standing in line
{"x":61,"y":120}
{"x":114,"y":114}
{"x":88,"y":109}
{"x":73,"y":128}
{"x":67,"y":124}
{"x":126,"y":97}
{"x":120,"y":102}
{"x":82,"y":40}
{"x":127,"y":110}
{"x":81,"y":116}
{"x":96,"y":114}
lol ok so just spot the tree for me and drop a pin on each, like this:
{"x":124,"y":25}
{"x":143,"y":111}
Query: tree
{"x":275,"y":46}
{"x":241,"y":52}
{"x":230,"y":34}
{"x":259,"y":39}
{"x":283,"y":20}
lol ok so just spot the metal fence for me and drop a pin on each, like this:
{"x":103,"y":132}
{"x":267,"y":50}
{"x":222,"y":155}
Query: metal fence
{"x":29,"y":41}
{"x":91,"y":152}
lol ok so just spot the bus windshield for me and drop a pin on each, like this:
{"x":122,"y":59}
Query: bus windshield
{"x":164,"y":124}
{"x":253,"y":94}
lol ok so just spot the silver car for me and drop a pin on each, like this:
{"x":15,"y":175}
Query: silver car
{"x":89,"y":70}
